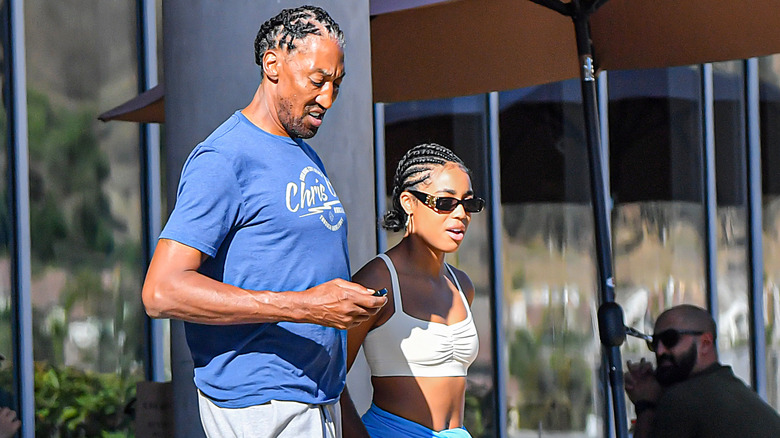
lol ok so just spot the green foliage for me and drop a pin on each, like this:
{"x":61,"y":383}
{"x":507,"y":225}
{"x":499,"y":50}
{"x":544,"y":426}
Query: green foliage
{"x":478,"y":414}
{"x":70,"y":403}
{"x":73,"y":232}
{"x":555,"y":381}
{"x":518,"y":278}
{"x":473,"y":418}
{"x":7,"y":387}
{"x":69,"y":210}
{"x":6,"y":345}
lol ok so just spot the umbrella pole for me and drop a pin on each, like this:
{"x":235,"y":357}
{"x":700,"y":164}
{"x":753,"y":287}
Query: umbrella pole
{"x":580,"y":11}
{"x":600,"y":211}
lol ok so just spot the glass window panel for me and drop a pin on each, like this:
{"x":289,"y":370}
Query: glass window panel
{"x":87,"y":263}
{"x":731,"y":181}
{"x":655,"y":135}
{"x":550,"y":292}
{"x":656,"y":168}
{"x":655,"y":131}
{"x":769,"y":90}
{"x":7,"y":387}
{"x":458,"y":124}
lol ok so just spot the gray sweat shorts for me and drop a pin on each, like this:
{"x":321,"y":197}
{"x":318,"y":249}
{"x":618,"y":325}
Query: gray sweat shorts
{"x":283,"y":419}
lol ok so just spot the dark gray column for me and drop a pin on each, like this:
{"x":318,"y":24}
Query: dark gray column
{"x":210,"y":72}
{"x":151,"y":184}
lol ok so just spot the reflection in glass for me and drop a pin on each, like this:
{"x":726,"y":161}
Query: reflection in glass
{"x":550,"y":293}
{"x":658,"y":262}
{"x":769,"y":89}
{"x":731,"y":179}
{"x":85,"y":214}
{"x":656,"y":182}
{"x":458,"y":124}
{"x":655,"y":162}
{"x":7,"y":387}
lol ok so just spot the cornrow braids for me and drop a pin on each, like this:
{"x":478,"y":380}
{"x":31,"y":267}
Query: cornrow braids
{"x":293,"y":24}
{"x":414,"y":168}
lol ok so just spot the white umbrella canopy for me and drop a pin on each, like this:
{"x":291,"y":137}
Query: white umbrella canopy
{"x":467,"y":47}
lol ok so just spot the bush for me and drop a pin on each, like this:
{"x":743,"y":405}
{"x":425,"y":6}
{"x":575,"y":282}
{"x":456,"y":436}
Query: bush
{"x":73,"y":403}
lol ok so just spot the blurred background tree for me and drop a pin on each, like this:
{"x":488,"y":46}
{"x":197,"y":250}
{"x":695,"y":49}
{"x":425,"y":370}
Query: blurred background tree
{"x":555,"y":381}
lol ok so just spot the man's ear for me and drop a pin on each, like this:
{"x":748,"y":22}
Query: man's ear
{"x":707,"y":343}
{"x":271,"y":63}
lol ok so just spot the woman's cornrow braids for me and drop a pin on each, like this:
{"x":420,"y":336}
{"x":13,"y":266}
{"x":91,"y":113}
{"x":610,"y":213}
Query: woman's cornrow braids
{"x":414,"y":168}
{"x":294,"y":24}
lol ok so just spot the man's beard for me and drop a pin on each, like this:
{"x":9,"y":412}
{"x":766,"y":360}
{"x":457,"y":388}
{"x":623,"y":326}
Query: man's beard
{"x":295,"y":128}
{"x":678,"y":369}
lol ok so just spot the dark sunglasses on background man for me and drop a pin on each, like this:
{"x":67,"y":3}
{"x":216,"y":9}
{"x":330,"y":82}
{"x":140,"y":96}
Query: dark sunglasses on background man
{"x":448,"y":203}
{"x":669,"y":338}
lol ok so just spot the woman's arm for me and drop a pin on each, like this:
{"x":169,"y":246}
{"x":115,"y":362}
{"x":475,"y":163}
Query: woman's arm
{"x":371,"y":274}
{"x":351,"y":424}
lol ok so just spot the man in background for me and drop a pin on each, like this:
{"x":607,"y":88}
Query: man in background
{"x":690,"y":394}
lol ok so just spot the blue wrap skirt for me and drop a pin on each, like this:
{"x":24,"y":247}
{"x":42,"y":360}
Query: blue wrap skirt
{"x":383,"y":424}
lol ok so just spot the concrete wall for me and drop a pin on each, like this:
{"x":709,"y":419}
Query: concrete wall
{"x":208,"y":60}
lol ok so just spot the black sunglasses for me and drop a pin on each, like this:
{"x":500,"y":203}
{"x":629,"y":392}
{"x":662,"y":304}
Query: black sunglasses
{"x":447,"y":203}
{"x":669,"y":337}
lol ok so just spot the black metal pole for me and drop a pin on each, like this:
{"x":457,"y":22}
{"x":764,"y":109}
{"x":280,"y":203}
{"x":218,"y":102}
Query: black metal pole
{"x":600,"y":210}
{"x":580,"y":11}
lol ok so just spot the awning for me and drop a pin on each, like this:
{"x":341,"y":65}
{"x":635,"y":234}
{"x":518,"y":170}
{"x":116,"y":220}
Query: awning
{"x":147,"y":107}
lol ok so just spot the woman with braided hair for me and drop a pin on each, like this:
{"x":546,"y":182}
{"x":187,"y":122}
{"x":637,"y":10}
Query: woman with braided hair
{"x":421,"y":343}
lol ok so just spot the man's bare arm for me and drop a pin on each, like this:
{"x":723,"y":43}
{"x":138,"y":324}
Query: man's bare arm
{"x":175,"y":289}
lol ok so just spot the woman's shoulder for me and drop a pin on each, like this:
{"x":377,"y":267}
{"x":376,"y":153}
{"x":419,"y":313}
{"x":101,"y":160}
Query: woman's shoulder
{"x":465,"y":282}
{"x":374,"y":274}
{"x":462,"y":276}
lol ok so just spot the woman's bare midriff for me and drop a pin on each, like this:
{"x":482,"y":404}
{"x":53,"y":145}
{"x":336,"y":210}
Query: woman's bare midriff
{"x":434,"y":402}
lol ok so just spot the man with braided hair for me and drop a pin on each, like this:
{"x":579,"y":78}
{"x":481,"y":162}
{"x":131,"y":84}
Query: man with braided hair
{"x":254,"y":255}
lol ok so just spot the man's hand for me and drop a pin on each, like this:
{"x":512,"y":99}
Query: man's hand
{"x":640,"y":382}
{"x":175,"y":289}
{"x":339,"y":303}
{"x":9,"y":424}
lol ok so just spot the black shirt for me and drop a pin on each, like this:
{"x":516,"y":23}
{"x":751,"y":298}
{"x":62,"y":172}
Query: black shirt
{"x":714,"y":403}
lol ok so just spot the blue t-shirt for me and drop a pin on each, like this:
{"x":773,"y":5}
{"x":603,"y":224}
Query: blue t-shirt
{"x":263,"y":210}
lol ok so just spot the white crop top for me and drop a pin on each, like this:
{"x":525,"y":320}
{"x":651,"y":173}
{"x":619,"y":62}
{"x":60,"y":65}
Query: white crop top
{"x":409,"y":346}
